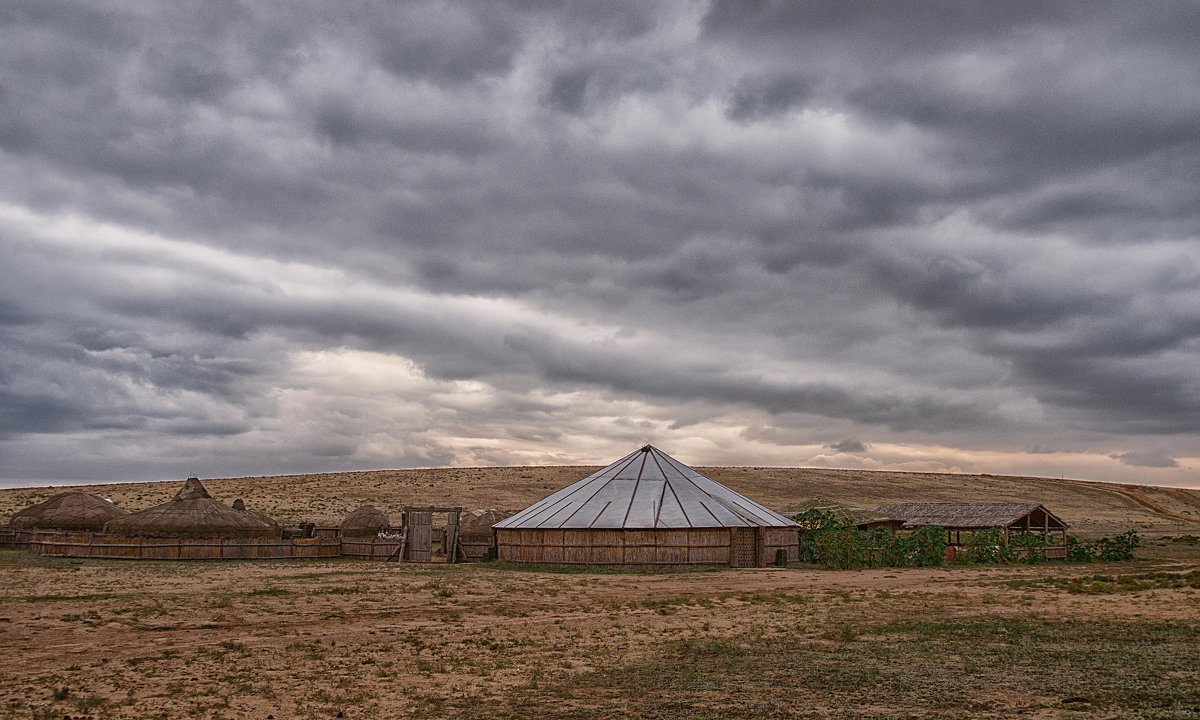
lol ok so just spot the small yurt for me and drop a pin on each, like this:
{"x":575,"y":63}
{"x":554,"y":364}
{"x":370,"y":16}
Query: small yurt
{"x":365,"y":521}
{"x":68,"y":511}
{"x":192,"y":513}
{"x":475,"y":534}
{"x":647,"y":509}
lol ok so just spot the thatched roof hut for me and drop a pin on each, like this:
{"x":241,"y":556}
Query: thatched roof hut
{"x":364,"y":522}
{"x":480,"y":522}
{"x":975,"y":516}
{"x":68,"y":511}
{"x":191,"y":513}
{"x":958,"y":518}
{"x":240,"y":506}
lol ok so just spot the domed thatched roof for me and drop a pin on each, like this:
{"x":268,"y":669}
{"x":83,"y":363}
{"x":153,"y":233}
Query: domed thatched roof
{"x":366,"y":520}
{"x":240,"y":506}
{"x":191,"y":513}
{"x":480,"y":522}
{"x":68,"y":511}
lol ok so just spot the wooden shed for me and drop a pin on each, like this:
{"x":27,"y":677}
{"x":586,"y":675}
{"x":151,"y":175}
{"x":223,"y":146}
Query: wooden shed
{"x":1006,"y":517}
{"x":646,"y":509}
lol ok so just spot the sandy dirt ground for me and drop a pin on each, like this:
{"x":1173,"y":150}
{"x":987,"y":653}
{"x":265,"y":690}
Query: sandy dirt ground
{"x":358,"y":639}
{"x":1090,"y":508}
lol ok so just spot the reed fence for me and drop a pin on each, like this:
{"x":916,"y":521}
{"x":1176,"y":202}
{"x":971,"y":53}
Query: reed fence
{"x":102,"y":546}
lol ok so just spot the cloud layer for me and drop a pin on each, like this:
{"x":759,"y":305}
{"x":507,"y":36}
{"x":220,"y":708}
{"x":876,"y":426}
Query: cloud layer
{"x":247,"y":239}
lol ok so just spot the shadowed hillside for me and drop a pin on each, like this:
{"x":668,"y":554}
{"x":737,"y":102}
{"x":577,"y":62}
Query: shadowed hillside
{"x":1090,"y":508}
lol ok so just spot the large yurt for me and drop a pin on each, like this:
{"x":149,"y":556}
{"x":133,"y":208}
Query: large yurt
{"x":646,"y":509}
{"x":364,"y":521}
{"x":68,"y":511}
{"x":192,"y":513}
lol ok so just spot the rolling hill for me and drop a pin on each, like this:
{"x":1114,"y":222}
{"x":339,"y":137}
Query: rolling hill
{"x":1090,"y":508}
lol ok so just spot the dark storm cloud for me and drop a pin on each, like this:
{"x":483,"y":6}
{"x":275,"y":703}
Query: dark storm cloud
{"x":1148,"y":459}
{"x":967,"y":224}
{"x":755,"y":98}
{"x":848,"y":446}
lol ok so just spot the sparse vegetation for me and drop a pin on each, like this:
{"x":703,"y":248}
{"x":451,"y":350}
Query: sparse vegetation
{"x":311,"y":639}
{"x":474,"y":641}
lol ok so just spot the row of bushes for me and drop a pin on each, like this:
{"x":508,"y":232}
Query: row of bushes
{"x":832,"y":542}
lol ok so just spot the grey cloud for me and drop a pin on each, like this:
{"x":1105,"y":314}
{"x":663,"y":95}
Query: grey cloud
{"x":759,"y":97}
{"x":848,"y":446}
{"x":568,"y":90}
{"x":1148,"y":459}
{"x":929,"y":223}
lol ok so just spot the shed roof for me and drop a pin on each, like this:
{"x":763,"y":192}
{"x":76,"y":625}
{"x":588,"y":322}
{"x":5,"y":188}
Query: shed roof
{"x":966,"y":515}
{"x":646,"y":489}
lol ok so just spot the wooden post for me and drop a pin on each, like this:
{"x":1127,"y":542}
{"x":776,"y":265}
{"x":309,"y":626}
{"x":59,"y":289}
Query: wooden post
{"x":452,"y":536}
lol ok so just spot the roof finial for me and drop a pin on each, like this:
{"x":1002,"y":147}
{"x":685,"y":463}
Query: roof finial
{"x":647,"y":448}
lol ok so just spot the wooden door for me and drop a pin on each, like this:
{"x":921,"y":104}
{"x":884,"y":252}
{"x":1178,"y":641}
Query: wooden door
{"x":743,"y":547}
{"x":420,"y":536}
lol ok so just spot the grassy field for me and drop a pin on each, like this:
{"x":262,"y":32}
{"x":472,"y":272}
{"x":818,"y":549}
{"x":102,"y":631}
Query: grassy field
{"x":314,"y":639}
{"x":353,"y":639}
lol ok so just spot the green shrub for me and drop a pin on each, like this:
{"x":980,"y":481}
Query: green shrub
{"x":839,"y":548}
{"x":985,"y":547}
{"x":1117,"y":548}
{"x":1027,"y":547}
{"x":1078,"y":551}
{"x":928,"y":544}
{"x":1106,"y":549}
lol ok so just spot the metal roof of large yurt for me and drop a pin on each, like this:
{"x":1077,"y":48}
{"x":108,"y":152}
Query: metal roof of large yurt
{"x":646,"y":489}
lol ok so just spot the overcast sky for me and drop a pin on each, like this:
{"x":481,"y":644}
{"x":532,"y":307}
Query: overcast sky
{"x":261,"y":238}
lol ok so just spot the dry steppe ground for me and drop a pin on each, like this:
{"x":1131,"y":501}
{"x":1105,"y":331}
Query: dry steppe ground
{"x":358,"y":639}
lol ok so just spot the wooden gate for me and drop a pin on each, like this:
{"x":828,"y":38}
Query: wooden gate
{"x":743,"y":547}
{"x":420,"y":535}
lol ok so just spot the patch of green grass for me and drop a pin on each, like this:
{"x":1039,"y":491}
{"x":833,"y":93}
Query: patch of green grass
{"x":595,"y":570}
{"x":950,"y":668}
{"x":1103,"y":584}
{"x":93,"y":597}
{"x":268,"y":591}
{"x":20,"y":558}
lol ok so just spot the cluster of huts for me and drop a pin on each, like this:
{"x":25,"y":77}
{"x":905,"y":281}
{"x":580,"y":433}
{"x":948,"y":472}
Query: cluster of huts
{"x":646,"y":509}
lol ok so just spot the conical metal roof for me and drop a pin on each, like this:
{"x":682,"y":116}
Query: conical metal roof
{"x":646,"y":489}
